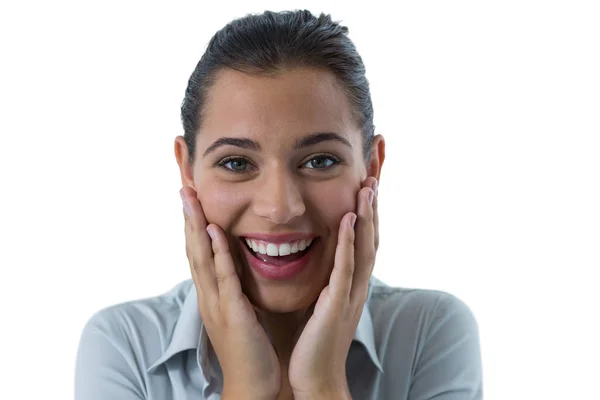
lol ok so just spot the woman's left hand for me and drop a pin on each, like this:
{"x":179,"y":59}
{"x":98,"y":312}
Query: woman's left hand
{"x":317,"y":366}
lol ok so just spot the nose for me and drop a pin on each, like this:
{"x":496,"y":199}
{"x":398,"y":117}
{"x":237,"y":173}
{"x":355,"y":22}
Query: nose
{"x":279,"y":198}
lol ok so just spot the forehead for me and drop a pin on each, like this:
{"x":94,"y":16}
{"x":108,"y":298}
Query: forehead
{"x":278,"y":107}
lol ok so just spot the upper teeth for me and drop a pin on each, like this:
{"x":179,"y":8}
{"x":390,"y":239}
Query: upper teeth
{"x":278,"y":249}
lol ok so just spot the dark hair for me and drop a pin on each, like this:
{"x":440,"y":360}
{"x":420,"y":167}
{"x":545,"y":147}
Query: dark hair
{"x":271,"y":42}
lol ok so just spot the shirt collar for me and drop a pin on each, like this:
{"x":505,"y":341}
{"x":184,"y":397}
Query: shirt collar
{"x":186,"y":335}
{"x":365,"y":333}
{"x":189,"y":333}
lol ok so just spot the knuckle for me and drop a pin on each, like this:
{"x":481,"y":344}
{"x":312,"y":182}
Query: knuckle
{"x":369,"y":255}
{"x":193,"y":265}
{"x":349,"y":239}
{"x":349,"y":270}
{"x":221,"y":251}
{"x":220,"y":279}
{"x":221,"y":276}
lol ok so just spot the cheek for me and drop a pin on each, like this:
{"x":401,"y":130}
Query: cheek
{"x":333,"y":200}
{"x":221,"y":203}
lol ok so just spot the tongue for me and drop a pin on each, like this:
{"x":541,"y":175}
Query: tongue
{"x":280,"y":260}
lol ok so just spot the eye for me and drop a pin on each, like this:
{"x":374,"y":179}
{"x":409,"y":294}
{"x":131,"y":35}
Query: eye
{"x":235,"y":164}
{"x":322,"y":161}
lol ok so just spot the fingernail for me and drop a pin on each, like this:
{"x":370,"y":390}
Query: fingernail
{"x":353,"y":220}
{"x":375,"y":186}
{"x":186,"y":208}
{"x":371,"y":194}
{"x":210,"y":231}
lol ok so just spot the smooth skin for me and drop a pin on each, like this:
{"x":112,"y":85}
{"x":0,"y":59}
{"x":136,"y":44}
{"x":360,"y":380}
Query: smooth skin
{"x":286,"y":339}
{"x":247,"y":358}
{"x":318,"y":363}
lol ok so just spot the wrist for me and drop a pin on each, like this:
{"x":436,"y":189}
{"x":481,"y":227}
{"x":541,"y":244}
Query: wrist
{"x":339,"y":394}
{"x":245,"y":394}
{"x":322,"y":396}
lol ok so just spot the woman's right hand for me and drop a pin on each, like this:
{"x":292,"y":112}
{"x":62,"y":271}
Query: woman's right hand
{"x":247,"y":358}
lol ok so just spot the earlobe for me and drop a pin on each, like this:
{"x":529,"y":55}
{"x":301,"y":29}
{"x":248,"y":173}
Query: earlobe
{"x":377,"y":157}
{"x":185,"y":168}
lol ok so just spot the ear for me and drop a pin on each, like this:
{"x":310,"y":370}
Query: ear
{"x":377,"y":157}
{"x":186,"y":169}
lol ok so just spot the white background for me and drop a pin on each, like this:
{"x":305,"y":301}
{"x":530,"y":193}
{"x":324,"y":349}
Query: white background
{"x":490,"y":190}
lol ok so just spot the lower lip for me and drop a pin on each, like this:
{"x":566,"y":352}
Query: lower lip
{"x":275,"y":272}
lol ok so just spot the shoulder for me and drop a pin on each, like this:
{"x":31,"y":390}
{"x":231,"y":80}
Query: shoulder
{"x":140,"y":318}
{"x":427,"y":308}
{"x":431,"y":336}
{"x":119,"y":342}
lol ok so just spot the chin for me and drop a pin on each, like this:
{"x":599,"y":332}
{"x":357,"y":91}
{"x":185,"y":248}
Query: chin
{"x":283,"y":299}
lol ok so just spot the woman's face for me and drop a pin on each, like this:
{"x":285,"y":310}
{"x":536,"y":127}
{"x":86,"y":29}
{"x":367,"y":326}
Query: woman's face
{"x":279,"y":160}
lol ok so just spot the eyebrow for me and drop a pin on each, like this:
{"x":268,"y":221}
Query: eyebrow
{"x":250,"y":144}
{"x":244,"y":143}
{"x":318,"y":138}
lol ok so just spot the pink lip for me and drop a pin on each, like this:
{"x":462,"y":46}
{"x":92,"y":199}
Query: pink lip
{"x":279,"y":273}
{"x":279,"y":238}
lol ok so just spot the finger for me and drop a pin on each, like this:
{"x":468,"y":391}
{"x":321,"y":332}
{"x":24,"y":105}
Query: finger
{"x":187,"y":192}
{"x":340,"y":281}
{"x":373,"y":183}
{"x":365,"y":243}
{"x":376,"y":217}
{"x":228,"y":282}
{"x":198,"y":247}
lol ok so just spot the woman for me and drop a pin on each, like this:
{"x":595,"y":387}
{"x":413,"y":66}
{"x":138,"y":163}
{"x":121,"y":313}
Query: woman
{"x":280,"y":166}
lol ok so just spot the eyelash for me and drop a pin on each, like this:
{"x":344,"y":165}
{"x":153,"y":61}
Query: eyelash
{"x":227,"y":160}
{"x":335,"y":160}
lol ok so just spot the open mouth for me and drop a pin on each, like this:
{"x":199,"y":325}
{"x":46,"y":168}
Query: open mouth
{"x":278,"y":254}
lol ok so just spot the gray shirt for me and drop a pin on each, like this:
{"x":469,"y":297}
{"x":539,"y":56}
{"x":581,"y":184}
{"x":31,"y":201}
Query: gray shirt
{"x":409,"y":344}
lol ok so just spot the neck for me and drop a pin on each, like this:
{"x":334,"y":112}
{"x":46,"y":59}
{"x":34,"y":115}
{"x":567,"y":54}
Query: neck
{"x":284,"y":329}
